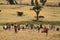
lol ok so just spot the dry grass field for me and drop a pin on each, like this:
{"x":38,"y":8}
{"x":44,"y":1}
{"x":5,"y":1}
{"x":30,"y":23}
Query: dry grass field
{"x":9,"y":14}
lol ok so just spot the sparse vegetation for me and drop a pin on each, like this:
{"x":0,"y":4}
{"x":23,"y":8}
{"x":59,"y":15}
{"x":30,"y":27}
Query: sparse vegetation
{"x":59,"y":4}
{"x":11,"y":1}
{"x":50,"y":15}
{"x":35,"y":22}
{"x":19,"y":13}
{"x":37,"y":9}
{"x":43,"y":2}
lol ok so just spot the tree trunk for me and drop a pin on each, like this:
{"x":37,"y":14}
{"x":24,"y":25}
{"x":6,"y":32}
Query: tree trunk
{"x":37,"y":17}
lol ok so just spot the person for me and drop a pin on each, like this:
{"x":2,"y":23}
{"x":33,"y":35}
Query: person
{"x":15,"y":27}
{"x":41,"y":26}
{"x":5,"y":27}
{"x":9,"y":26}
{"x":57,"y":29}
{"x":18,"y":27}
{"x":27,"y":26}
{"x":12,"y":25}
{"x":23,"y":28}
{"x":38,"y":28}
{"x":52,"y":26}
{"x":31,"y":25}
{"x":44,"y":28}
{"x":46,"y":31}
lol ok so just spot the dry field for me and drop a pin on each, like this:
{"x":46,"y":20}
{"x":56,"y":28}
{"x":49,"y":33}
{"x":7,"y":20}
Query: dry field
{"x":9,"y":13}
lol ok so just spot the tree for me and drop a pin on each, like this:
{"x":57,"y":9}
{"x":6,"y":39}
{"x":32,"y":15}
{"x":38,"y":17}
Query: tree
{"x":37,"y":9}
{"x":10,"y":2}
{"x":32,"y":2}
{"x":43,"y":2}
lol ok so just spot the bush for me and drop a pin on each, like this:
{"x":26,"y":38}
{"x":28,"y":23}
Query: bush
{"x":1,"y":3}
{"x":19,"y":13}
{"x":59,"y":4}
{"x":0,"y":10}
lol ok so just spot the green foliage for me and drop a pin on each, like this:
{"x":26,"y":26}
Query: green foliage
{"x":10,"y":2}
{"x":59,"y":4}
{"x":43,"y":2}
{"x":37,"y":7}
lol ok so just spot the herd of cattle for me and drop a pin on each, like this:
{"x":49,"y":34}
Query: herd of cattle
{"x":38,"y":27}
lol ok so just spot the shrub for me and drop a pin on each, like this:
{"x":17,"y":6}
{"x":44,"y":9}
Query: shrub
{"x":19,"y":13}
{"x":0,"y":10}
{"x":59,"y":4}
{"x":1,"y":3}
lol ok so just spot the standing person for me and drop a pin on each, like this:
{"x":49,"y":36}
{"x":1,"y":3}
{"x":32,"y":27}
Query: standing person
{"x":23,"y":28}
{"x":18,"y":27}
{"x":5,"y":27}
{"x":46,"y":31}
{"x":12,"y":26}
{"x":41,"y":26}
{"x":38,"y":28}
{"x":15,"y":27}
{"x":9,"y":26}
{"x":44,"y":28}
{"x":57,"y":29}
{"x":52,"y":26}
{"x":31,"y":25}
{"x":27,"y":26}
